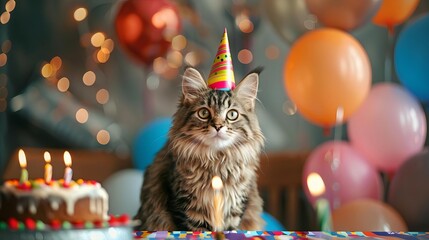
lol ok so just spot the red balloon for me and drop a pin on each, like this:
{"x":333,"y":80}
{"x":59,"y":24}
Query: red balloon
{"x":145,"y":28}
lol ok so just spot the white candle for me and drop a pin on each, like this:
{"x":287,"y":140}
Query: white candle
{"x":23,"y":163}
{"x":316,"y":186}
{"x":48,"y":167}
{"x":68,"y":172}
{"x":217,"y":186}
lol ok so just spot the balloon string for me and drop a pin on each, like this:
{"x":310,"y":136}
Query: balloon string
{"x":146,"y":97}
{"x":388,"y":63}
{"x":337,"y":137}
{"x":336,"y":153}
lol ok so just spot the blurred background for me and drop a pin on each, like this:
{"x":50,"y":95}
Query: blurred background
{"x":106,"y":75}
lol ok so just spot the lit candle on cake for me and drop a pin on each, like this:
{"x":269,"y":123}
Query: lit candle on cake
{"x":48,"y":167}
{"x":217,"y":186}
{"x":68,"y":172}
{"x":316,"y":186}
{"x":23,"y":164}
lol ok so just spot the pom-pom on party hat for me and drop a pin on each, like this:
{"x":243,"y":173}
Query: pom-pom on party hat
{"x":222,"y":73}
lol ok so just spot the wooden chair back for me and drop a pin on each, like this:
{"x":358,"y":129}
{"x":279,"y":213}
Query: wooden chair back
{"x":280,"y":184}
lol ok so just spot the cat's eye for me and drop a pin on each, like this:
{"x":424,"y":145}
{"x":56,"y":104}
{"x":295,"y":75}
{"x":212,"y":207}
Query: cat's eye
{"x":203,"y":113}
{"x":232,"y":115}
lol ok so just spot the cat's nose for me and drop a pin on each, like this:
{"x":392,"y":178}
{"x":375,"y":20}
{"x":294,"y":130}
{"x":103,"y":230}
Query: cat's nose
{"x":218,"y":127}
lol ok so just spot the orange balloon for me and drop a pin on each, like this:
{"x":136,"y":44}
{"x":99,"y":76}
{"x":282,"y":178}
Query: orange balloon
{"x":367,"y":215}
{"x":327,"y":69}
{"x":394,"y":12}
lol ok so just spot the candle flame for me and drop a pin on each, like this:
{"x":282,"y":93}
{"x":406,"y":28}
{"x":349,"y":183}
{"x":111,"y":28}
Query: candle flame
{"x":47,"y":157}
{"x":22,"y":159}
{"x":67,"y":159}
{"x":217,"y":183}
{"x":315,"y":184}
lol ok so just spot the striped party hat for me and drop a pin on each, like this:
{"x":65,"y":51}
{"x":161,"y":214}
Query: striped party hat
{"x":222,"y":73}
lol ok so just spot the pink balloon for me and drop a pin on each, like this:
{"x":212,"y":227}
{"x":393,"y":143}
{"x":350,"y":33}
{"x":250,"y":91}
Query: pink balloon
{"x":346,"y":174}
{"x":389,"y":127}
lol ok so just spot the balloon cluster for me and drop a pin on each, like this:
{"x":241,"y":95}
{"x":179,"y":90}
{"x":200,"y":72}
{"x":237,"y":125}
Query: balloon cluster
{"x":327,"y":72}
{"x":145,"y":28}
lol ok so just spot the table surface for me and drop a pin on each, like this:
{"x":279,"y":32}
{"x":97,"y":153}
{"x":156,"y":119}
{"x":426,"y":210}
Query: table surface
{"x":278,"y":235}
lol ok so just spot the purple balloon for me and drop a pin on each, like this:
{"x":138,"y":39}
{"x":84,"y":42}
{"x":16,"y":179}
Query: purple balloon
{"x":409,"y":191}
{"x":389,"y":127}
{"x":346,"y":174}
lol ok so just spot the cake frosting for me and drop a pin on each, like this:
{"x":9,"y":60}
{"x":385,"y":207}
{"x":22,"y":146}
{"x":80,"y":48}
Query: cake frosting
{"x":78,"y":201}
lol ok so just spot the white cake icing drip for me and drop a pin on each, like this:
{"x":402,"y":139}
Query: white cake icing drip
{"x":55,"y":204}
{"x":19,"y":208}
{"x":32,"y":207}
{"x":97,"y":195}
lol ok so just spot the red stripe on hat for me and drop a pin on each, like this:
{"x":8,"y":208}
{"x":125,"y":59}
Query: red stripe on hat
{"x":228,"y":62}
{"x":222,"y":85}
{"x":221,"y":68}
{"x":221,"y":52}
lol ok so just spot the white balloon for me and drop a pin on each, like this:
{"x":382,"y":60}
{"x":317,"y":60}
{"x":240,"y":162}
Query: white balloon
{"x":124,"y":188}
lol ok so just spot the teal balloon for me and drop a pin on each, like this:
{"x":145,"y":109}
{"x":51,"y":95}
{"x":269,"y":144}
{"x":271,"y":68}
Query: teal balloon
{"x":411,"y":57}
{"x":271,"y":223}
{"x":149,"y":141}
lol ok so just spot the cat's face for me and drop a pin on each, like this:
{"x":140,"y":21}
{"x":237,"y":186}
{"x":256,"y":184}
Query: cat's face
{"x":216,"y":119}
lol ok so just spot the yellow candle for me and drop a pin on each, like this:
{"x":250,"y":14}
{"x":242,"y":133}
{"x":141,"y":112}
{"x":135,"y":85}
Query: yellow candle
{"x":23,"y":164}
{"x":68,"y":172}
{"x":316,"y":186}
{"x":217,"y":186}
{"x":48,"y":167}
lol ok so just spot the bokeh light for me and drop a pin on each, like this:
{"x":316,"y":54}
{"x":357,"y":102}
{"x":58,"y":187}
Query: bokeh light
{"x":103,"y":137}
{"x":103,"y":55}
{"x":98,"y":39}
{"x":244,"y":24}
{"x":174,"y":59}
{"x":272,"y":52}
{"x":6,"y":46}
{"x":159,"y":65}
{"x":193,"y":58}
{"x":56,"y":63}
{"x":80,"y":14}
{"x":63,"y":84}
{"x":245,"y":56}
{"x":89,"y":78}
{"x":82,"y":115}
{"x":102,"y":96}
{"x":3,"y":59}
{"x":10,"y":5}
{"x":178,"y":43}
{"x":47,"y":70}
{"x":152,"y":82}
{"x":5,"y":17}
{"x":108,"y":45}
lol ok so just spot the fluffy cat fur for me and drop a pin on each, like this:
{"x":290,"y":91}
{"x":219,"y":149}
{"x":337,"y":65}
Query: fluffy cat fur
{"x":214,"y":133}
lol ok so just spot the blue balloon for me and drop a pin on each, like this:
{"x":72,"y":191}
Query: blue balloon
{"x":412,"y":57}
{"x":149,"y":141}
{"x":272,"y":224}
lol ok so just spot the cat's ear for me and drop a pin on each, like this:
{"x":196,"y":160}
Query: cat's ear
{"x":247,"y":90}
{"x":192,"y":84}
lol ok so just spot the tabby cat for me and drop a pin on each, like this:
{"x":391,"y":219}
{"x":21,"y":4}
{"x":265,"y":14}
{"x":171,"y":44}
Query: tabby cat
{"x":214,"y":133}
